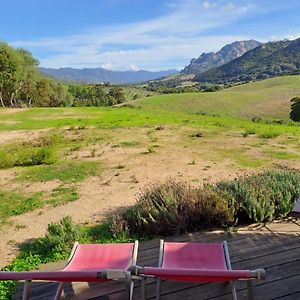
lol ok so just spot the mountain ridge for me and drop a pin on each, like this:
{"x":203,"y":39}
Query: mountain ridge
{"x":226,"y":54}
{"x":101,"y":75}
{"x":267,"y":60}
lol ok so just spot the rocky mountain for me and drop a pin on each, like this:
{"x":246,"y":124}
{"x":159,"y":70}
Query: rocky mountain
{"x":100,"y":75}
{"x":228,"y":53}
{"x":267,"y":60}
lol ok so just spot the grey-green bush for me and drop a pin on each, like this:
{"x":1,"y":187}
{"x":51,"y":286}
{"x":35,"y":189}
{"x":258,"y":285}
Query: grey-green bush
{"x":263,"y":197}
{"x":175,"y":207}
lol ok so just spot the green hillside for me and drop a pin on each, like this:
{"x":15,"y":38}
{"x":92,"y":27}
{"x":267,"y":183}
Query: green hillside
{"x":268,"y":99}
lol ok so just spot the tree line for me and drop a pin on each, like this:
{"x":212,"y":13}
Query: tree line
{"x":22,"y":85}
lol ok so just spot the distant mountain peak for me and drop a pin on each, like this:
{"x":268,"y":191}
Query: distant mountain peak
{"x":227,"y":53}
{"x":267,"y":60}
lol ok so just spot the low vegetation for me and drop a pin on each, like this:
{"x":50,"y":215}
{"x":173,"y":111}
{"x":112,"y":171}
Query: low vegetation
{"x":67,"y":172}
{"x":15,"y":203}
{"x":263,"y":197}
{"x":175,"y":207}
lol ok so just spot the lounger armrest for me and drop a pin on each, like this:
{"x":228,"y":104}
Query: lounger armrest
{"x":258,"y":274}
{"x":112,"y":274}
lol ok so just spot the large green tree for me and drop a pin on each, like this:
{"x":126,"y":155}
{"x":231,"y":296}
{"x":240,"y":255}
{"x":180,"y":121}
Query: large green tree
{"x":21,"y":83}
{"x":295,"y":109}
{"x":17,"y":71}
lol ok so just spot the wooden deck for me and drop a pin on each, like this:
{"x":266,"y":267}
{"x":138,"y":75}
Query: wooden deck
{"x":275,"y":247}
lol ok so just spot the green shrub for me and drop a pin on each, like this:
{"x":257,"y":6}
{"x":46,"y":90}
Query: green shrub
{"x":263,"y":197}
{"x":26,"y":156}
{"x":174,"y":207}
{"x":57,"y":243}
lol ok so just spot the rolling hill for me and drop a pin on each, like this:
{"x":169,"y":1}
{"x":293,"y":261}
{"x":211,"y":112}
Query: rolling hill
{"x":267,"y":99}
{"x":267,"y":60}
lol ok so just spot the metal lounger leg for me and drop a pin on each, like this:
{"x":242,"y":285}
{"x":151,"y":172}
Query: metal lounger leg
{"x":143,"y":287}
{"x":233,"y":290}
{"x":59,"y":291}
{"x":26,"y":291}
{"x":250,"y":290}
{"x":158,"y":289}
{"x":129,"y":284}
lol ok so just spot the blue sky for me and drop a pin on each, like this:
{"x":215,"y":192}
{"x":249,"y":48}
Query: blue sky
{"x":140,"y":34}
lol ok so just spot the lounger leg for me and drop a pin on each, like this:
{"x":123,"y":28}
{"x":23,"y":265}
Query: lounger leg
{"x":26,"y":290}
{"x":233,"y":290}
{"x":250,"y":290}
{"x":59,"y":291}
{"x":158,"y":289}
{"x":129,"y":284}
{"x":143,"y":287}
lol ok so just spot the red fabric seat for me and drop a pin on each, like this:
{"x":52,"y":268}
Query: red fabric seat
{"x":87,"y":263}
{"x":197,"y":262}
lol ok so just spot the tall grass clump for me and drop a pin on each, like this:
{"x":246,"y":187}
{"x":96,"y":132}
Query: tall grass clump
{"x":263,"y":197}
{"x":175,"y":207}
{"x":14,"y":156}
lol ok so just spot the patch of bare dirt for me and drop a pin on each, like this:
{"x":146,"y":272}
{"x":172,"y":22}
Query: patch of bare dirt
{"x":13,"y":110}
{"x":18,"y":135}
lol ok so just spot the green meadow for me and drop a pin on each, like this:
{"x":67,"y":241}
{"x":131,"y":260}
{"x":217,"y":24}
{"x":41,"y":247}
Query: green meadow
{"x":246,"y":126}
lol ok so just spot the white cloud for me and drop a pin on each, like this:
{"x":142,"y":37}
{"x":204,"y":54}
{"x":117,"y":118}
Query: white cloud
{"x":107,"y":66}
{"x":153,"y":44}
{"x":208,"y":5}
{"x":228,"y":6}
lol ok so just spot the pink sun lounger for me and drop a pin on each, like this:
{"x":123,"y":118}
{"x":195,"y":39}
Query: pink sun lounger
{"x":197,"y":262}
{"x":87,"y":263}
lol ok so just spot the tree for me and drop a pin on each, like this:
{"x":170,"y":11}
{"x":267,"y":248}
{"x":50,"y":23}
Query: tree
{"x":17,"y":74}
{"x":295,"y":109}
{"x":9,"y":73}
{"x":118,"y":94}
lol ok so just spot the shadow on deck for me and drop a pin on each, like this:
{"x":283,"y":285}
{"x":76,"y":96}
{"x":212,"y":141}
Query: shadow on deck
{"x":275,"y":247}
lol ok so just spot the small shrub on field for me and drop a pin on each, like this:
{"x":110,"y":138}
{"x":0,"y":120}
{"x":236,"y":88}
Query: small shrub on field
{"x":48,"y":140}
{"x":269,"y":134}
{"x":263,"y":197}
{"x":57,"y":243}
{"x":26,"y":156}
{"x":174,"y":207}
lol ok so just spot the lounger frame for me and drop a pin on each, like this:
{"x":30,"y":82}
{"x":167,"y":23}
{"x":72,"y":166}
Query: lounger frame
{"x":256,"y":274}
{"x":107,"y":274}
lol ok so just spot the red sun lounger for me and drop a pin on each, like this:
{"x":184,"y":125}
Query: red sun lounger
{"x":197,"y":262}
{"x":87,"y":263}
